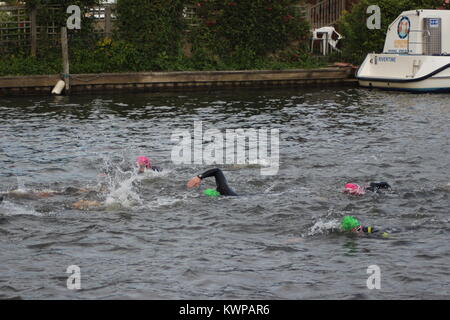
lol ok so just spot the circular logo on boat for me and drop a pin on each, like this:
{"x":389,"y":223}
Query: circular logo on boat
{"x":403,"y":27}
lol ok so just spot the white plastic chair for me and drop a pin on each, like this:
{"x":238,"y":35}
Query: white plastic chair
{"x":327,"y":36}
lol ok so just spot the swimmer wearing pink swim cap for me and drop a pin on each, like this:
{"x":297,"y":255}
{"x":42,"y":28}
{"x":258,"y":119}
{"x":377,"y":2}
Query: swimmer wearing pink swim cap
{"x":143,"y":163}
{"x":353,"y":188}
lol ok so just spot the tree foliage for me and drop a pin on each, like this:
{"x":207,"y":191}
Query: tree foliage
{"x":154,"y":25}
{"x":243,"y":29}
{"x":154,"y":35}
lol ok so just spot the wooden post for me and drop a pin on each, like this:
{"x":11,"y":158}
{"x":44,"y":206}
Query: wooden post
{"x":65,"y":56}
{"x":33,"y":26}
{"x":108,"y":21}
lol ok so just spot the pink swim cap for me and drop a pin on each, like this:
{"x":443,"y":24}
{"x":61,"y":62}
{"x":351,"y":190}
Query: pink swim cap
{"x":143,"y":161}
{"x":353,"y":188}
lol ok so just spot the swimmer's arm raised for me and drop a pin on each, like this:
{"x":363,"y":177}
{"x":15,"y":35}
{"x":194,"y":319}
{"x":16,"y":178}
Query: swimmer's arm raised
{"x":197,"y":180}
{"x":209,"y":173}
{"x":221,"y":181}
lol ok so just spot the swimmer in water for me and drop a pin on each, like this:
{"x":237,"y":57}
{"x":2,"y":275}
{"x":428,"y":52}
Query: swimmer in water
{"x":221,"y":183}
{"x":351,"y":224}
{"x":42,"y":194}
{"x":69,"y":191}
{"x":353,"y":188}
{"x":143,"y":163}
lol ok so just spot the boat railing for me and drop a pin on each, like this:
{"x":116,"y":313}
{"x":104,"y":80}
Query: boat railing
{"x":417,"y":42}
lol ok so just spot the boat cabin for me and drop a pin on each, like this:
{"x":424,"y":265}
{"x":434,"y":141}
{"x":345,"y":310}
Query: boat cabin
{"x":419,"y":32}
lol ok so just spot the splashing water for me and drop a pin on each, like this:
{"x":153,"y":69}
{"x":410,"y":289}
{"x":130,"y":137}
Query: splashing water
{"x":321,"y":227}
{"x":20,"y":185}
{"x":122,"y":193}
{"x":117,"y":183}
{"x":11,"y":209}
{"x":120,"y":183}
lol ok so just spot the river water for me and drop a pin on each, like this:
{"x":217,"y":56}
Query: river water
{"x":151,"y":238}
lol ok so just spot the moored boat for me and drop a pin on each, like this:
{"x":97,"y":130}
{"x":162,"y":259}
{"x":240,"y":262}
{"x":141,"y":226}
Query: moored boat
{"x":416,"y":54}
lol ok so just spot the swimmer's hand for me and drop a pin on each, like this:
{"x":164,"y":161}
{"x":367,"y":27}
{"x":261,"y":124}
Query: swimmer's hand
{"x":194,"y":182}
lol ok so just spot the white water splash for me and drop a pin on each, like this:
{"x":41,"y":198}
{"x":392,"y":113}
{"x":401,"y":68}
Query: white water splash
{"x":12,"y":209}
{"x":121,"y":182}
{"x":123,"y":194}
{"x":321,"y":227}
{"x":20,"y":184}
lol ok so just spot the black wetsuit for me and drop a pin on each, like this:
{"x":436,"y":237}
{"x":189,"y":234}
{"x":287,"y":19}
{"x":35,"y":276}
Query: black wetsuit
{"x":1,"y":198}
{"x":221,"y":181}
{"x":377,"y":186}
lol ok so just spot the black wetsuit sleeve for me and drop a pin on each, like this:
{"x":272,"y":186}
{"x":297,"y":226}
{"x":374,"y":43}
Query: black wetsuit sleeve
{"x":221,"y":181}
{"x":376,"y":186}
{"x":156,"y":168}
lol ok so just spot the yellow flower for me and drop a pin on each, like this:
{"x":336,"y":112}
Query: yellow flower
{"x":105,"y":42}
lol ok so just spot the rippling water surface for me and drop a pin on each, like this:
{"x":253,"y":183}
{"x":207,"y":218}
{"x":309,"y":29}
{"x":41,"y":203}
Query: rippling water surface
{"x":153,"y":239}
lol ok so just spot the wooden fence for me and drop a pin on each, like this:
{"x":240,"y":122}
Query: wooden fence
{"x":21,"y":28}
{"x":15,"y":26}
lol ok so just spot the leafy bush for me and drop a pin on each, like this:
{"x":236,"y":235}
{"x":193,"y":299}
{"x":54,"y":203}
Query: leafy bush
{"x":151,"y":35}
{"x":26,"y":65}
{"x":359,"y":40}
{"x":155,"y":26}
{"x":241,"y":31}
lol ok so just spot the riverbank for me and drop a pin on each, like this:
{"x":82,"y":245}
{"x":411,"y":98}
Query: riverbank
{"x":164,"y":81}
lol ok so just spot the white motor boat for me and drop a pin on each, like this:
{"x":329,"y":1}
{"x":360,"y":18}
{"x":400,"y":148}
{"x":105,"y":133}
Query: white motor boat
{"x":416,"y":54}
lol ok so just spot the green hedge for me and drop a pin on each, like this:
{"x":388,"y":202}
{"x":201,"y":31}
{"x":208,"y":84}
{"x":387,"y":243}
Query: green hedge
{"x":152,"y":35}
{"x":241,"y":32}
{"x":359,"y":40}
{"x":152,"y":26}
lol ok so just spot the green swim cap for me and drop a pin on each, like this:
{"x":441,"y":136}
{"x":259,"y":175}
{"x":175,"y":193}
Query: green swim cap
{"x":211,"y":193}
{"x":349,"y":222}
